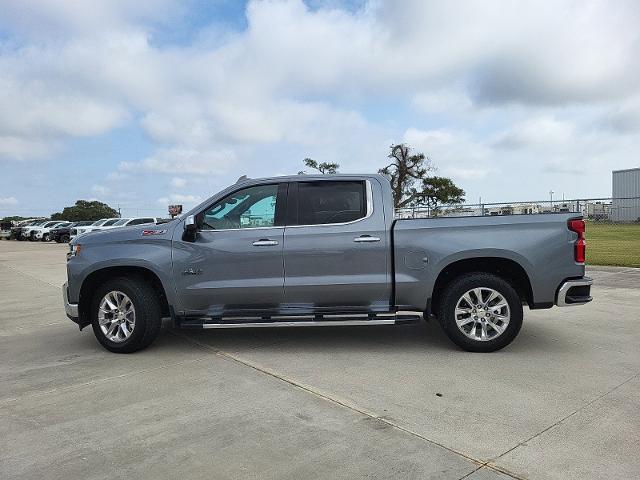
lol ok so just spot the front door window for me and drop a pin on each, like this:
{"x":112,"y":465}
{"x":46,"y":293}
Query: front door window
{"x":247,"y":208}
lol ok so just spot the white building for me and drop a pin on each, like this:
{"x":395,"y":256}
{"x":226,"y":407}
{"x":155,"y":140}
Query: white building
{"x":626,"y":184}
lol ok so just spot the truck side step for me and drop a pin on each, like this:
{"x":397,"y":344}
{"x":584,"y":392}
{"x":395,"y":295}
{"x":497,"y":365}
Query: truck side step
{"x":299,"y":322}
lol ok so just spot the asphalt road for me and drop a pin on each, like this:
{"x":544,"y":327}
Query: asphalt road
{"x":376,"y":402}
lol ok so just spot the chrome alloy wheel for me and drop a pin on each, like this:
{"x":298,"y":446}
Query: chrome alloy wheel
{"x":482,"y":314}
{"x":116,"y":316}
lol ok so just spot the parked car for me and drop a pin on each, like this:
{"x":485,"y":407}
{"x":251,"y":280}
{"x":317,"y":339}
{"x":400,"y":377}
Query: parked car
{"x":30,"y":232}
{"x":43,"y":232}
{"x":21,"y":231}
{"x":129,"y":222}
{"x":5,"y":230}
{"x":94,"y":226}
{"x":318,"y":251}
{"x":62,"y":234}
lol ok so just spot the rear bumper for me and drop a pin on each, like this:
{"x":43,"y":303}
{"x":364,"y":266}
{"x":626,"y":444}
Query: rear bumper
{"x":576,"y":291}
{"x":71,"y":309}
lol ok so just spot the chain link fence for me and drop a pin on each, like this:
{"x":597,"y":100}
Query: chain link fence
{"x":617,"y":210}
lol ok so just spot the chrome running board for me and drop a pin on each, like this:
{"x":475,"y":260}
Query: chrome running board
{"x":303,"y":322}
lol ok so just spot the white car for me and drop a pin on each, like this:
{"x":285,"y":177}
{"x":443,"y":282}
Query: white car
{"x":128,"y":222}
{"x":41,"y":232}
{"x":90,"y":228}
{"x":44,"y":233}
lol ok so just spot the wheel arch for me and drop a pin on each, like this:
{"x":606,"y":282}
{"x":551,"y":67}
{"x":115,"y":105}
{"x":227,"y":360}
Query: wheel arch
{"x":505,"y":268}
{"x":101,"y":275}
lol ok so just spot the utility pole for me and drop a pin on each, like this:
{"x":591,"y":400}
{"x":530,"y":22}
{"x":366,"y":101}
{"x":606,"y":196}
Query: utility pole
{"x":551,"y":192}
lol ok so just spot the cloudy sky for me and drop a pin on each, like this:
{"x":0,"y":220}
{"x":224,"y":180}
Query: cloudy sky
{"x":145,"y":103}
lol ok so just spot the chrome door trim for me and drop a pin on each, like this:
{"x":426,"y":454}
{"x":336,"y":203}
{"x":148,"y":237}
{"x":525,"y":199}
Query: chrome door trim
{"x":239,"y":229}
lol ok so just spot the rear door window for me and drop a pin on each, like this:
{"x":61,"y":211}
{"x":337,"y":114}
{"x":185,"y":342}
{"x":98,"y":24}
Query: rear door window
{"x":325,"y":202}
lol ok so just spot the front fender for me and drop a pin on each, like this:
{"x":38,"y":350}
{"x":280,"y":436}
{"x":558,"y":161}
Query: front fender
{"x":153,"y":254}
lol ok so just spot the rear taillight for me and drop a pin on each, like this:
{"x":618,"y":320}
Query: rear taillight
{"x":578,"y":226}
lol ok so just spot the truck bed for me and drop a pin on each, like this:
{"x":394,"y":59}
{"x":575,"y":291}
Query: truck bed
{"x":540,"y":244}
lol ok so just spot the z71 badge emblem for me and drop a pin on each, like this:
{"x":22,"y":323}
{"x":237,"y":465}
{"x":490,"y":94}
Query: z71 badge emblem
{"x":146,"y":233}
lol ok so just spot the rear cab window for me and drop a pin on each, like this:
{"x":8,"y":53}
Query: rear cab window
{"x":329,"y":202}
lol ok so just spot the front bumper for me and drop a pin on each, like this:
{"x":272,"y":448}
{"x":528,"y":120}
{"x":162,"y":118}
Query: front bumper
{"x":576,"y":291}
{"x":71,"y":309}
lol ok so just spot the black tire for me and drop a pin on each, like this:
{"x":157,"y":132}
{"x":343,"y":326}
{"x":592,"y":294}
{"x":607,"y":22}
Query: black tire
{"x":65,"y":239}
{"x":46,"y":237}
{"x":454,"y":291}
{"x":148,"y":315}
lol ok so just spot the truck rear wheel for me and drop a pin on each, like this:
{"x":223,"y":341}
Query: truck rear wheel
{"x":480,"y":312}
{"x":125,"y":315}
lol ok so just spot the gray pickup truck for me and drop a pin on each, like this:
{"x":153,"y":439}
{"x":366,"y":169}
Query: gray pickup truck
{"x":323,"y":251}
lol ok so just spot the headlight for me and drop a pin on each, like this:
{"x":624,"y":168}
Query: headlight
{"x":74,"y":250}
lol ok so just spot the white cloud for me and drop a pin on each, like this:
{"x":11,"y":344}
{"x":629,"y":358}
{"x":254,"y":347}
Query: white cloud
{"x":177,"y":198}
{"x":536,"y":132}
{"x":623,"y":118}
{"x":182,"y":160}
{"x":442,"y":101}
{"x":493,"y":86}
{"x":177,"y":182}
{"x":6,"y":201}
{"x":19,"y":148}
{"x":248,"y":89}
{"x":100,"y":190}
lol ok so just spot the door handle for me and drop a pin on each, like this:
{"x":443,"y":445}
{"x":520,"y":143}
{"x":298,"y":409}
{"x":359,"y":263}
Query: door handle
{"x":366,"y":238}
{"x":265,"y":242}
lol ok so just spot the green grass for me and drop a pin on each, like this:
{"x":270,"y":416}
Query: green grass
{"x":613,"y":244}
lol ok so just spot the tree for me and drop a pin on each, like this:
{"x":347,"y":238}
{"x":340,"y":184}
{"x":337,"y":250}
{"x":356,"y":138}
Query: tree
{"x":411,"y":184}
{"x":15,"y":218}
{"x":324,"y":167}
{"x":85,"y":210}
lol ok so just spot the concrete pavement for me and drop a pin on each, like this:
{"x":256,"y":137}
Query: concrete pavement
{"x":375,"y":402}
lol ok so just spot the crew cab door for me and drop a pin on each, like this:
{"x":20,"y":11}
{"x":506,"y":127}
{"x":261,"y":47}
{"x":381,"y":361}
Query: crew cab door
{"x":235,"y":263}
{"x":337,"y":252}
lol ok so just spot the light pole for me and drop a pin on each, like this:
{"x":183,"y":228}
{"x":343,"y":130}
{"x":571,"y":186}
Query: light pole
{"x":551,"y":198}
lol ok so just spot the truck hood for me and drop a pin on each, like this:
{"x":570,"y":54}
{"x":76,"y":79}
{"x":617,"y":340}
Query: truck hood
{"x":126,"y":234}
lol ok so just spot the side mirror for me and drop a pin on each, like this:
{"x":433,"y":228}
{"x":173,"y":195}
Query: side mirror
{"x":190,"y":229}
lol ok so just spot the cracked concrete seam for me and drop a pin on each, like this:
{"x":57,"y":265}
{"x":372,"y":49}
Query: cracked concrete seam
{"x":309,"y":389}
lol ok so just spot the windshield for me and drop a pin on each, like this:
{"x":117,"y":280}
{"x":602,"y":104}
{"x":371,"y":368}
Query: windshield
{"x":50,"y":224}
{"x":121,"y":222}
{"x":97,"y":223}
{"x":110,"y":222}
{"x":82,"y":224}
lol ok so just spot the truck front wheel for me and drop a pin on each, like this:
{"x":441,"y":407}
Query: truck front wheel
{"x":480,"y":312}
{"x":125,"y":314}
